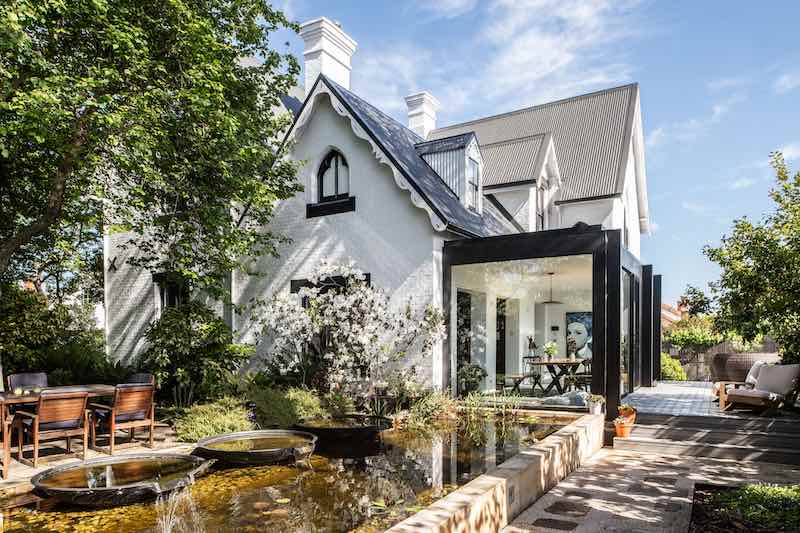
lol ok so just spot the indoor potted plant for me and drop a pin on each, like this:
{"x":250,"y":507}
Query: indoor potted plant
{"x":595,"y":404}
{"x":551,"y":350}
{"x":628,"y":412}
{"x":623,"y":427}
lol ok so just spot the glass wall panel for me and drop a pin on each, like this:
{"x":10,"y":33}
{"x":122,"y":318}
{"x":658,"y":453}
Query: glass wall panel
{"x":527,"y":324}
{"x":626,"y":333}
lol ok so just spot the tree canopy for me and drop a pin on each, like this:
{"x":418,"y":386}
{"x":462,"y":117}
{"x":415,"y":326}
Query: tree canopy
{"x":148,"y":118}
{"x":759,"y":288}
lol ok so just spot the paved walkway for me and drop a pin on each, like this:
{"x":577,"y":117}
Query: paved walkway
{"x":676,"y":398}
{"x":620,"y":491}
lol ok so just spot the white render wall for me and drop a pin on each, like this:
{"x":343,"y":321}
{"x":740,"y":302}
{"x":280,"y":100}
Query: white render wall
{"x":386,"y":235}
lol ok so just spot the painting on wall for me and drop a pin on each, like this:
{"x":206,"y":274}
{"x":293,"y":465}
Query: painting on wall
{"x":579,"y":334}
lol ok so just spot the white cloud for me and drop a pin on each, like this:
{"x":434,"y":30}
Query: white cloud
{"x":720,"y":84}
{"x":787,"y":82}
{"x":790,"y":151}
{"x":655,"y":137}
{"x":742,"y":183}
{"x":447,"y":8}
{"x":699,"y":209}
{"x":690,"y":129}
{"x":520,"y":53}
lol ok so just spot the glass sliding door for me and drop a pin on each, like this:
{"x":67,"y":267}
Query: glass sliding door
{"x":527,"y":323}
{"x":627,"y":334}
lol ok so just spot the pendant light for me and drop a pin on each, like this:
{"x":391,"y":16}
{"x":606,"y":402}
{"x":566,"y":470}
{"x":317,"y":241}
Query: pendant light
{"x":550,"y":300}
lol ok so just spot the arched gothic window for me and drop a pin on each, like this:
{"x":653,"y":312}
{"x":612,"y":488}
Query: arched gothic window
{"x":333,"y":178}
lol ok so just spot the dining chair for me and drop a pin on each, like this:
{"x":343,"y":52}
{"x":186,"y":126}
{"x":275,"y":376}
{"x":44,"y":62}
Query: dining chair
{"x":59,"y":415}
{"x":133,"y":408}
{"x":26,"y":380}
{"x":5,"y":422}
{"x":142,"y":377}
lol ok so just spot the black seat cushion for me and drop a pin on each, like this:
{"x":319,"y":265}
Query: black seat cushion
{"x":51,"y":426}
{"x":104,"y":416}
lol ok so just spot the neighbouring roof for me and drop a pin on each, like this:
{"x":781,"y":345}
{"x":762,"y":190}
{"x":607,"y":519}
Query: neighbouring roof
{"x":513,"y":161}
{"x":590,"y":134}
{"x":446,"y":144}
{"x":399,"y":143}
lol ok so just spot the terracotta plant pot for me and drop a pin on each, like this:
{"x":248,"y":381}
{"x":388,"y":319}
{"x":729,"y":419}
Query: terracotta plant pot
{"x":623,"y":430}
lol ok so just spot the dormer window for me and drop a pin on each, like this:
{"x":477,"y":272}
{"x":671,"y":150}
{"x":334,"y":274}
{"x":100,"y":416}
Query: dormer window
{"x":333,"y":178}
{"x":333,"y":187}
{"x":473,"y":184}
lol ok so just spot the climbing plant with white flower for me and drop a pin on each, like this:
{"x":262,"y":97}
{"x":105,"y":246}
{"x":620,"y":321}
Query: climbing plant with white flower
{"x":342,"y":334}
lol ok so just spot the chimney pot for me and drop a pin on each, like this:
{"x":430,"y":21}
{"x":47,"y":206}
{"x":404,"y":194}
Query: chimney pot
{"x":422,"y":109}
{"x":328,"y":50}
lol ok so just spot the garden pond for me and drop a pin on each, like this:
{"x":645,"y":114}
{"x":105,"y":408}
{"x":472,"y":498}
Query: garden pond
{"x":411,"y":470}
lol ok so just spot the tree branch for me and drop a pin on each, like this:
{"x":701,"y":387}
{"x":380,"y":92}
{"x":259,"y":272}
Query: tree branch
{"x":55,"y":198}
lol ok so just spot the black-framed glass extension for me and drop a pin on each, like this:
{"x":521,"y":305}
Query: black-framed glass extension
{"x":547,"y":313}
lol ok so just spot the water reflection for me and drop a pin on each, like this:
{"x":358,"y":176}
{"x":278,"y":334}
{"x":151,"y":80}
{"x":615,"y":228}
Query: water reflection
{"x":337,"y":494}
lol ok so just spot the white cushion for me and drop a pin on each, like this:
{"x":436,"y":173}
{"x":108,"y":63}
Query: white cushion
{"x":752,"y":375}
{"x":780,"y":379}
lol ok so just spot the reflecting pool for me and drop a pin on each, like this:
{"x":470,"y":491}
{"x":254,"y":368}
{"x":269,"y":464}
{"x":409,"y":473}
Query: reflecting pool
{"x":411,"y":470}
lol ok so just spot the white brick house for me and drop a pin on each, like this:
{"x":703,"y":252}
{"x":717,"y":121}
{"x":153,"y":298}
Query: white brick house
{"x":390,"y":196}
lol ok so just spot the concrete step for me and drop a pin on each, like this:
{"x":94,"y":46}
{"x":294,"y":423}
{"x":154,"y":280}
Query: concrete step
{"x":701,"y":449}
{"x":713,"y":435}
{"x":787,"y":425}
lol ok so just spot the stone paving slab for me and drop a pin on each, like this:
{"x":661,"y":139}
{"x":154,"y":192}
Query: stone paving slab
{"x":618,"y":491}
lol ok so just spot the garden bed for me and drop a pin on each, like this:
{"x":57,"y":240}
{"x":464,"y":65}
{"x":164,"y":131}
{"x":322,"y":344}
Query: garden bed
{"x":754,"y":508}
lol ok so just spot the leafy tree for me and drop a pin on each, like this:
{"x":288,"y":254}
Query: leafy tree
{"x":148,"y":118}
{"x":759,"y":288}
{"x":191,"y":352}
{"x":693,"y":335}
{"x":696,"y":302}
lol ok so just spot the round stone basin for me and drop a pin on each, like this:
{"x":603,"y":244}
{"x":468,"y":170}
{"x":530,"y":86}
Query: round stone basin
{"x":262,"y":447}
{"x":122,"y":480}
{"x":347,"y":436}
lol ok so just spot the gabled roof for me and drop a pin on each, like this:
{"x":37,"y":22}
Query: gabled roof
{"x":399,"y":144}
{"x":591,"y":134}
{"x":445,"y":144}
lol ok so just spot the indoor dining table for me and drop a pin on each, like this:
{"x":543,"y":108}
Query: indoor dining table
{"x":558,"y":368}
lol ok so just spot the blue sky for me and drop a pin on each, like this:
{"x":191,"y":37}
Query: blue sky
{"x":720,"y":88}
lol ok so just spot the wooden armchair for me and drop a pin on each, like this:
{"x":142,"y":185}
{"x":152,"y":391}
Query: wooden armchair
{"x":59,"y":415}
{"x":5,"y":423}
{"x":133,"y":407}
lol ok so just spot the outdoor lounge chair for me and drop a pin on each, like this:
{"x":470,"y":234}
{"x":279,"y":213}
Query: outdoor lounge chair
{"x":60,"y":415}
{"x":133,"y":408}
{"x":776,"y":385}
{"x":721,"y":388}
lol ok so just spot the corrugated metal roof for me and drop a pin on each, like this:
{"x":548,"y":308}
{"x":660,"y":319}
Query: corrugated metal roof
{"x":400,"y":143}
{"x":590,"y":133}
{"x":513,"y":161}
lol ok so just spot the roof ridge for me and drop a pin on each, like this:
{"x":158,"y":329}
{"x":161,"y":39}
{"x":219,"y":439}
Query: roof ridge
{"x":513,"y":139}
{"x":539,"y":106}
{"x":440,"y":139}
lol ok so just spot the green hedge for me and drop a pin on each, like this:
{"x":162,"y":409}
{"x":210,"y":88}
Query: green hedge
{"x":227,"y":415}
{"x":671,"y":369}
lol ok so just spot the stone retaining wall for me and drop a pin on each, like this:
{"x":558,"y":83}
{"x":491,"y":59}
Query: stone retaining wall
{"x":491,"y":501}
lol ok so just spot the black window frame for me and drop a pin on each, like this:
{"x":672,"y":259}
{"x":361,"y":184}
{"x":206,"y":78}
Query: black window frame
{"x":173,"y":289}
{"x":334,"y":157}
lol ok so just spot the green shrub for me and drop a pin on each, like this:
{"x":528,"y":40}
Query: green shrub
{"x":432,"y":406}
{"x":191,"y":352}
{"x":337,"y":404}
{"x":226,"y":415}
{"x":671,"y":369}
{"x":469,"y":378}
{"x":277,"y":408}
{"x":774,"y":508}
{"x":39,"y":336}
